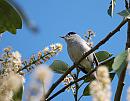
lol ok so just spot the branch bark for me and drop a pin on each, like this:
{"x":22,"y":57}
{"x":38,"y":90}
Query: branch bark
{"x":84,"y":56}
{"x":82,"y":78}
{"x":122,"y":76}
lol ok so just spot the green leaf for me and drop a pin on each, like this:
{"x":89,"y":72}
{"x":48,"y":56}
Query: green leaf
{"x":86,"y":91}
{"x":59,"y":66}
{"x":18,"y":95}
{"x":125,"y":13}
{"x":108,"y":63}
{"x":29,"y":24}
{"x":102,"y":55}
{"x":120,"y":62}
{"x":110,"y":11}
{"x":10,"y":20}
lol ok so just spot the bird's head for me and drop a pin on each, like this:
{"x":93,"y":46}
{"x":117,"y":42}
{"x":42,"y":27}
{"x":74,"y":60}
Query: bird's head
{"x":71,"y":36}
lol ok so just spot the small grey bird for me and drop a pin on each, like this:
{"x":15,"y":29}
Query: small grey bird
{"x":77,"y":47}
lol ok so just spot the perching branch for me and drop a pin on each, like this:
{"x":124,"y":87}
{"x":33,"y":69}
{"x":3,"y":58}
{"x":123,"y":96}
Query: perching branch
{"x":84,"y":56}
{"x":64,"y":88}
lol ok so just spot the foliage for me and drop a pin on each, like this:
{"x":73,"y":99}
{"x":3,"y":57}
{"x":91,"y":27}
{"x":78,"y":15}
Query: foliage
{"x":86,"y":91}
{"x":102,"y":55}
{"x":59,"y":66}
{"x":125,"y":13}
{"x":10,"y":20}
{"x":120,"y":62}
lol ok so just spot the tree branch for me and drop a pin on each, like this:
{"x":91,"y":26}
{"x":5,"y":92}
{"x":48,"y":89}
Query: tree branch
{"x":85,"y":55}
{"x":64,"y":88}
{"x":82,"y":78}
{"x":122,"y":76}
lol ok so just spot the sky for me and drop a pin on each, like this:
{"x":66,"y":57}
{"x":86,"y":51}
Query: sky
{"x":55,"y":18}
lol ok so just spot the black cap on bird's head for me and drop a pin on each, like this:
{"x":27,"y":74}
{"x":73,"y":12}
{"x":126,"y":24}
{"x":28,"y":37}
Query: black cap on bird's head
{"x":71,"y":37}
{"x":69,"y":34}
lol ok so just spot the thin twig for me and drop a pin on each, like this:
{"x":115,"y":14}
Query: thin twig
{"x":81,"y":84}
{"x":76,"y":85}
{"x":80,"y":97}
{"x":84,"y":56}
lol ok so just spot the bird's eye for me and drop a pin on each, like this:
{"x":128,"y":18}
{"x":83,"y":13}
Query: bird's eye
{"x":71,"y":33}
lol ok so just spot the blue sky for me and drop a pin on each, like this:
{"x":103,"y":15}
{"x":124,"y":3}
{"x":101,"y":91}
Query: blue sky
{"x":57,"y":17}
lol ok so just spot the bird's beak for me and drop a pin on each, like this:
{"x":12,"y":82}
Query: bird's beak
{"x":62,"y":37}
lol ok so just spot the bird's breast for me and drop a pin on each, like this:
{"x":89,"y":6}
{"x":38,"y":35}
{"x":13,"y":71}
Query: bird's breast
{"x":77,"y":50}
{"x":74,"y":52}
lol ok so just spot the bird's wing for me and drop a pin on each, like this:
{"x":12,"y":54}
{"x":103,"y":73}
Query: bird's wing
{"x":95,"y":60}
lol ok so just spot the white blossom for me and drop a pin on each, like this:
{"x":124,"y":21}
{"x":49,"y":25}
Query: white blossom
{"x":53,"y":46}
{"x":39,"y":83}
{"x":59,"y":46}
{"x":43,"y":73}
{"x":16,"y":60}
{"x":67,"y":80}
{"x":10,"y":80}
{"x":46,"y":50}
{"x":100,"y":89}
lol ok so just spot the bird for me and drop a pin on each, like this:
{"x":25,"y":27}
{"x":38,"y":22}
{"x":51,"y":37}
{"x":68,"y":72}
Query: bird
{"x":77,"y":47}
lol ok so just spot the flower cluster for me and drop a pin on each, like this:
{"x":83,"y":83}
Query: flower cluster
{"x":11,"y":62}
{"x":12,"y":74}
{"x":88,"y":36}
{"x":67,"y":80}
{"x":42,"y":56}
{"x":9,"y":85}
{"x":101,"y":88}
{"x":10,"y":81}
{"x":52,"y":50}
